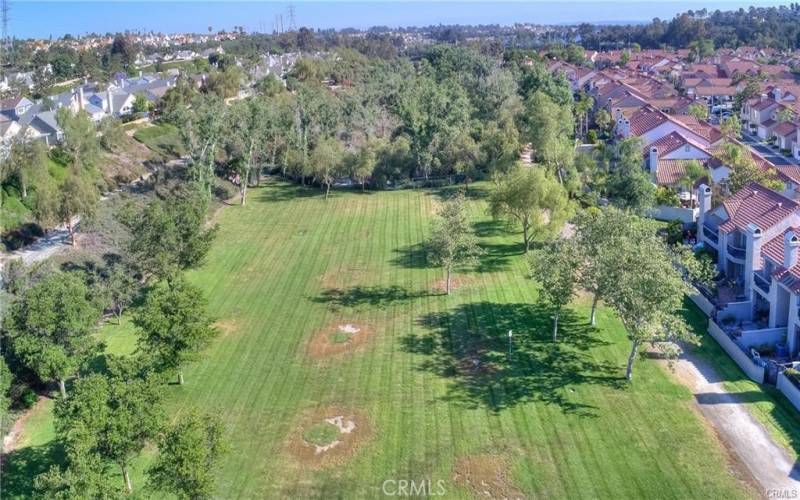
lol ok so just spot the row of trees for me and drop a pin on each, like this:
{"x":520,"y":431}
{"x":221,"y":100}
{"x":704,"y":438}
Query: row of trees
{"x":618,"y":258}
{"x":114,"y":408}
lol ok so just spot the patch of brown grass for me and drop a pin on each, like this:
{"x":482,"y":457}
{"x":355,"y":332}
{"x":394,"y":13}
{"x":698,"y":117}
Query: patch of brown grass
{"x":456,"y":282}
{"x":325,"y":342}
{"x":486,"y":476}
{"x":307,"y":455}
{"x":227,"y":327}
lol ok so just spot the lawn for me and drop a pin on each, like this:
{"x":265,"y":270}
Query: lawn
{"x":328,"y":309}
{"x":162,"y":138}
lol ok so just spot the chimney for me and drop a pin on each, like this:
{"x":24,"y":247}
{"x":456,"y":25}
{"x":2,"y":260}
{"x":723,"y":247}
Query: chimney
{"x":752,"y":255}
{"x":791,"y":243}
{"x":108,"y":101}
{"x":653,"y":160}
{"x":777,"y":94}
{"x":626,"y":128}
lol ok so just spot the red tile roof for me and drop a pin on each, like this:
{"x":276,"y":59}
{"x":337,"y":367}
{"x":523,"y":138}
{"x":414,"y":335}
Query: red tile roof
{"x":702,"y":128}
{"x":774,"y":249}
{"x":667,"y":144}
{"x":784,"y":129}
{"x":671,"y":171}
{"x":646,"y":119}
{"x":757,"y":205}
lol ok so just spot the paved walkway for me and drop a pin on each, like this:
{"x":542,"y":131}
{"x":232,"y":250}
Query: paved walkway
{"x":770,"y":465}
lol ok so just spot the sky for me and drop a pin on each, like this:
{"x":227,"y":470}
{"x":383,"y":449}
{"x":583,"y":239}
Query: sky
{"x":45,"y":18}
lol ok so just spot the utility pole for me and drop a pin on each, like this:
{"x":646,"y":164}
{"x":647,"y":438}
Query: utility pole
{"x":5,"y":43}
{"x":292,"y":25}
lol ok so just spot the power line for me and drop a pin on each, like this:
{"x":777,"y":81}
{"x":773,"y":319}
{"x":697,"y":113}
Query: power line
{"x":292,"y":25}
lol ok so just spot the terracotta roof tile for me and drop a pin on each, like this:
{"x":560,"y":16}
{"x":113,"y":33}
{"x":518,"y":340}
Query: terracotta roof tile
{"x":757,"y":205}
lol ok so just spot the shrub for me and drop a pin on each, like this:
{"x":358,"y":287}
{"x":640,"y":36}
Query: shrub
{"x":21,"y":236}
{"x":794,"y":376}
{"x":321,"y":434}
{"x":28,"y":398}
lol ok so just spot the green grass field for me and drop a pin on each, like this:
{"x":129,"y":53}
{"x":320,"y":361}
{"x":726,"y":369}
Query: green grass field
{"x":162,"y":138}
{"x":429,"y":376}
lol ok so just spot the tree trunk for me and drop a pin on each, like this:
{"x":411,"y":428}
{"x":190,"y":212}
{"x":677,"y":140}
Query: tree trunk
{"x":555,"y":326}
{"x":525,"y":237}
{"x":62,"y":388}
{"x":362,"y":186}
{"x":24,"y":189}
{"x":119,"y":315}
{"x":127,"y":476}
{"x":447,"y":285}
{"x":631,"y":359}
{"x":327,"y":189}
{"x":180,"y":377}
{"x":71,"y":232}
{"x":243,"y":192}
{"x":594,"y":309}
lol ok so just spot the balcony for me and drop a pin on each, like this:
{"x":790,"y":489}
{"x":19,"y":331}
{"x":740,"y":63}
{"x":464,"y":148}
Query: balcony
{"x":736,"y":252}
{"x":761,"y":282}
{"x":711,"y":232}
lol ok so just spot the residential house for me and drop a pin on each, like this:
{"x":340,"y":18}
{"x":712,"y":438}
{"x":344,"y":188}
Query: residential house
{"x":755,"y":236}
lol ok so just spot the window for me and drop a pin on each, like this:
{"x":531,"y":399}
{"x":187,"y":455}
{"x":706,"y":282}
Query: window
{"x":687,"y":148}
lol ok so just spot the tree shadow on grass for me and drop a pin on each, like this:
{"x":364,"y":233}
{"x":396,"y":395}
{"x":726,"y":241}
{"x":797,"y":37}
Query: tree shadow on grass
{"x":497,"y":256}
{"x":471,"y":191}
{"x":286,"y":191}
{"x":470,"y":346}
{"x":411,"y":257}
{"x":20,"y":468}
{"x":375,"y":296}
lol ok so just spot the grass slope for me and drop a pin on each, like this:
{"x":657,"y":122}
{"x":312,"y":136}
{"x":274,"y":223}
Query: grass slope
{"x":289,"y":264}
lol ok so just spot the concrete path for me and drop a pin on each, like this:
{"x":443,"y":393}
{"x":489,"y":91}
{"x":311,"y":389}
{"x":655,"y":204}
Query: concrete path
{"x":770,"y":465}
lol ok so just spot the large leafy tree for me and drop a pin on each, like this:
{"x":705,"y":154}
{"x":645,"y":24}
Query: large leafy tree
{"x":599,"y":234}
{"x":647,"y":295}
{"x":189,"y":454}
{"x":556,"y":269}
{"x":452,"y":242}
{"x":326,"y":162}
{"x":50,"y":327}
{"x":247,"y":125}
{"x":27,"y":162}
{"x":169,"y":235}
{"x":174,"y":325}
{"x":80,"y":138}
{"x":534,"y":200}
{"x":111,"y":418}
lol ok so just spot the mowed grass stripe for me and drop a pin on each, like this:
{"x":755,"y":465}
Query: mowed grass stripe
{"x":559,"y":415}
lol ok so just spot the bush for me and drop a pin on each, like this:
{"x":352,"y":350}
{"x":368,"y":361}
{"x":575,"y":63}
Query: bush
{"x":765,"y":349}
{"x":591,"y":137}
{"x":28,"y":398}
{"x":21,"y":236}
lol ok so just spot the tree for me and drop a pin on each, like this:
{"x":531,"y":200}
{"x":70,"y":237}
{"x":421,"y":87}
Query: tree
{"x":5,"y":385}
{"x":750,"y":90}
{"x":120,"y":288}
{"x":112,"y":135}
{"x":598,"y":236}
{"x":533,"y":199}
{"x":731,"y":128}
{"x":27,"y":162}
{"x":602,"y":118}
{"x":169,"y":235}
{"x":77,"y":197}
{"x":80,"y":138}
{"x":647,"y":295}
{"x":744,"y":169}
{"x":248,"y":124}
{"x":628,"y":185}
{"x":50,"y":327}
{"x":785,"y":115}
{"x":140,"y":103}
{"x":326,"y":161}
{"x":699,"y":111}
{"x":189,"y":453}
{"x":174,"y":325}
{"x":556,"y":268}
{"x":363,"y":164}
{"x":547,"y":125}
{"x":111,"y":417}
{"x":452,"y":242}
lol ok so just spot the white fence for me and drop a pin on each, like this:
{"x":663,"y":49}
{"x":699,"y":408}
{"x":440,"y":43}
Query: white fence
{"x":789,"y":390}
{"x":767,"y":336}
{"x":702,"y":302}
{"x":752,"y":370}
{"x":739,"y":311}
{"x":668,"y":213}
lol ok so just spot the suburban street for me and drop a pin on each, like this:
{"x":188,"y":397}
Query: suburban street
{"x":768,"y":153}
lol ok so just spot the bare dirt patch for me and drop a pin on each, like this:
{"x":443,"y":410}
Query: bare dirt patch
{"x":339,"y":337}
{"x":350,"y":428}
{"x":456,"y":282}
{"x":12,"y":440}
{"x":227,"y":327}
{"x":486,"y":476}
